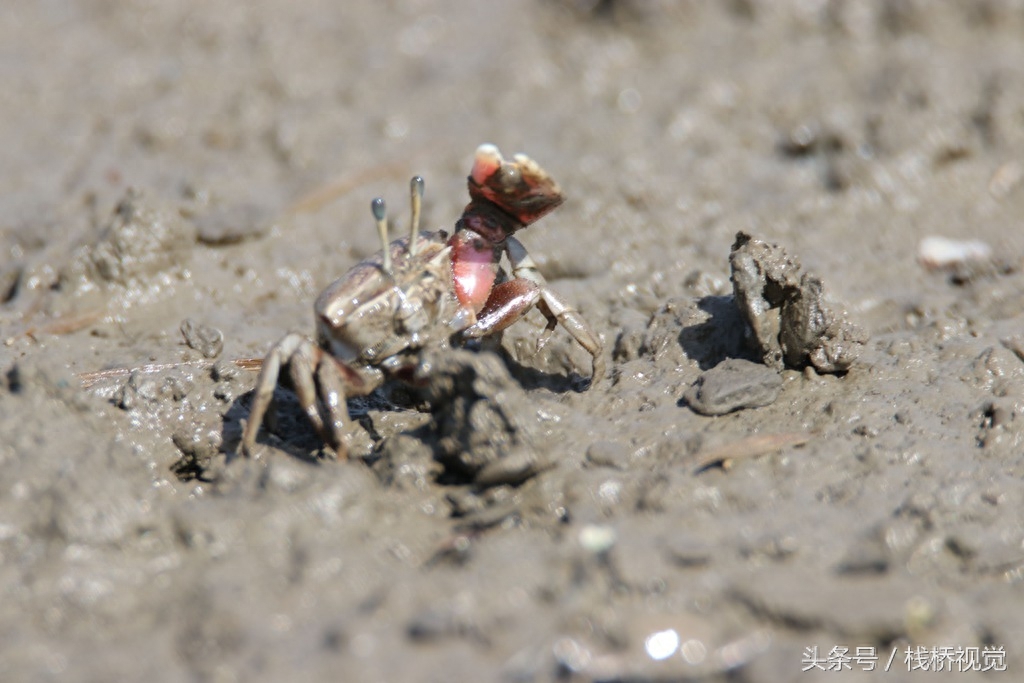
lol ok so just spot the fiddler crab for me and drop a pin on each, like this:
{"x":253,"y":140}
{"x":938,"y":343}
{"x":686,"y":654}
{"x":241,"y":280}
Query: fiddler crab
{"x":428,"y":290}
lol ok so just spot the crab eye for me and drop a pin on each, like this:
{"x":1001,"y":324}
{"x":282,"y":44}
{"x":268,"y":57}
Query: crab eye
{"x":510,"y":176}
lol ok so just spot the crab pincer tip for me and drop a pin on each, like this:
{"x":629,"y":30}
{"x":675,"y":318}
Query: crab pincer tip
{"x":486,"y":161}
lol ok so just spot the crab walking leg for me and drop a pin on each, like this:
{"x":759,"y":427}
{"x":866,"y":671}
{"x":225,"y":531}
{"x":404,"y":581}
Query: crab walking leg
{"x":554,"y":307}
{"x":301,"y":364}
{"x":319,"y":385}
{"x":332,"y":397}
{"x":265,"y":385}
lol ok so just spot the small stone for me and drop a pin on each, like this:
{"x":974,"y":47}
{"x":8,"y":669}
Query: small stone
{"x":597,"y":539}
{"x":224,"y":371}
{"x":207,"y":340}
{"x":513,"y":469}
{"x":686,"y":551}
{"x":614,"y":454}
{"x":936,"y":252}
{"x":733,"y":384}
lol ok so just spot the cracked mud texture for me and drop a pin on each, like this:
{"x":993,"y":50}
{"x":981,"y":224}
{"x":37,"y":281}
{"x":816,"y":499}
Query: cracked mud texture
{"x":877,"y":508}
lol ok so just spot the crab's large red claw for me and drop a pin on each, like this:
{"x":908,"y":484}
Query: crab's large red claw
{"x":519,"y":187}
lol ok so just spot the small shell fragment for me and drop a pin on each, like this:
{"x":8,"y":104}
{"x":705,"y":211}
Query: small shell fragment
{"x":942,"y":252}
{"x":597,"y":539}
{"x":1006,"y":179}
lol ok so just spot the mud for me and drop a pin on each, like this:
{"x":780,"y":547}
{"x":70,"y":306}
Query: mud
{"x":731,"y":385}
{"x":213,"y":162}
{"x":792,"y":323}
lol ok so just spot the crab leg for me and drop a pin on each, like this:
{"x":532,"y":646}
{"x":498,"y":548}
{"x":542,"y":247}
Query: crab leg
{"x":555,"y":308}
{"x":319,"y":383}
{"x":511,"y":300}
{"x":332,"y":384}
{"x":300,"y":370}
{"x":263,"y":395}
{"x":507,"y":303}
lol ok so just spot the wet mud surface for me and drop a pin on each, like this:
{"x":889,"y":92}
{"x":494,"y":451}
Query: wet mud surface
{"x":180,"y":180}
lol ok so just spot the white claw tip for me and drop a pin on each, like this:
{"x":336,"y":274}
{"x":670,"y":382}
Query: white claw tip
{"x":486,"y":161}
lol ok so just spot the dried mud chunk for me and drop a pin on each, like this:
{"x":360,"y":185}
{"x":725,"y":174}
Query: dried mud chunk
{"x":791,"y":322}
{"x":207,"y":340}
{"x":199,"y":447}
{"x":481,"y":418}
{"x":763,"y":276}
{"x":813,"y":332}
{"x":406,"y":463}
{"x":143,"y":238}
{"x":731,"y":385}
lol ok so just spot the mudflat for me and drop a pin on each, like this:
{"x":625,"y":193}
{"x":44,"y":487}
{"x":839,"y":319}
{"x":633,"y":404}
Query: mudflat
{"x":179,"y":180}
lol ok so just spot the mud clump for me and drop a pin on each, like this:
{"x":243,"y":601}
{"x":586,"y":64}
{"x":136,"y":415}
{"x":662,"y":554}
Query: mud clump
{"x":205,"y":339}
{"x":479,"y":415}
{"x":786,"y":310}
{"x":142,"y":239}
{"x":731,"y":385}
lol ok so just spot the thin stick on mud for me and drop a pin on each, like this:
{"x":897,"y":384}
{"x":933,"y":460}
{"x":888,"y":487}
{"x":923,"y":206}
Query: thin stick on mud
{"x":750,"y":447}
{"x":89,"y":379}
{"x":65,"y":324}
{"x":323,"y":195}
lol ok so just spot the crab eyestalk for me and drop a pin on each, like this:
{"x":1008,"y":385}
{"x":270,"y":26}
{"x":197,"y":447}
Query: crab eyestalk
{"x":416,"y":193}
{"x":380,"y":214}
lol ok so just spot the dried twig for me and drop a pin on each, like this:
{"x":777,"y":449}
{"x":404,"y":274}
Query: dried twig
{"x":319,"y":197}
{"x":750,"y":447}
{"x":91,"y":378}
{"x":65,"y":324}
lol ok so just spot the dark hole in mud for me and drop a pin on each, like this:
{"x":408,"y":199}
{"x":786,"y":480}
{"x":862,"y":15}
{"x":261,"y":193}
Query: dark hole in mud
{"x":12,"y":378}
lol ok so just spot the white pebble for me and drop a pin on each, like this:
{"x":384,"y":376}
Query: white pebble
{"x":943,"y":252}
